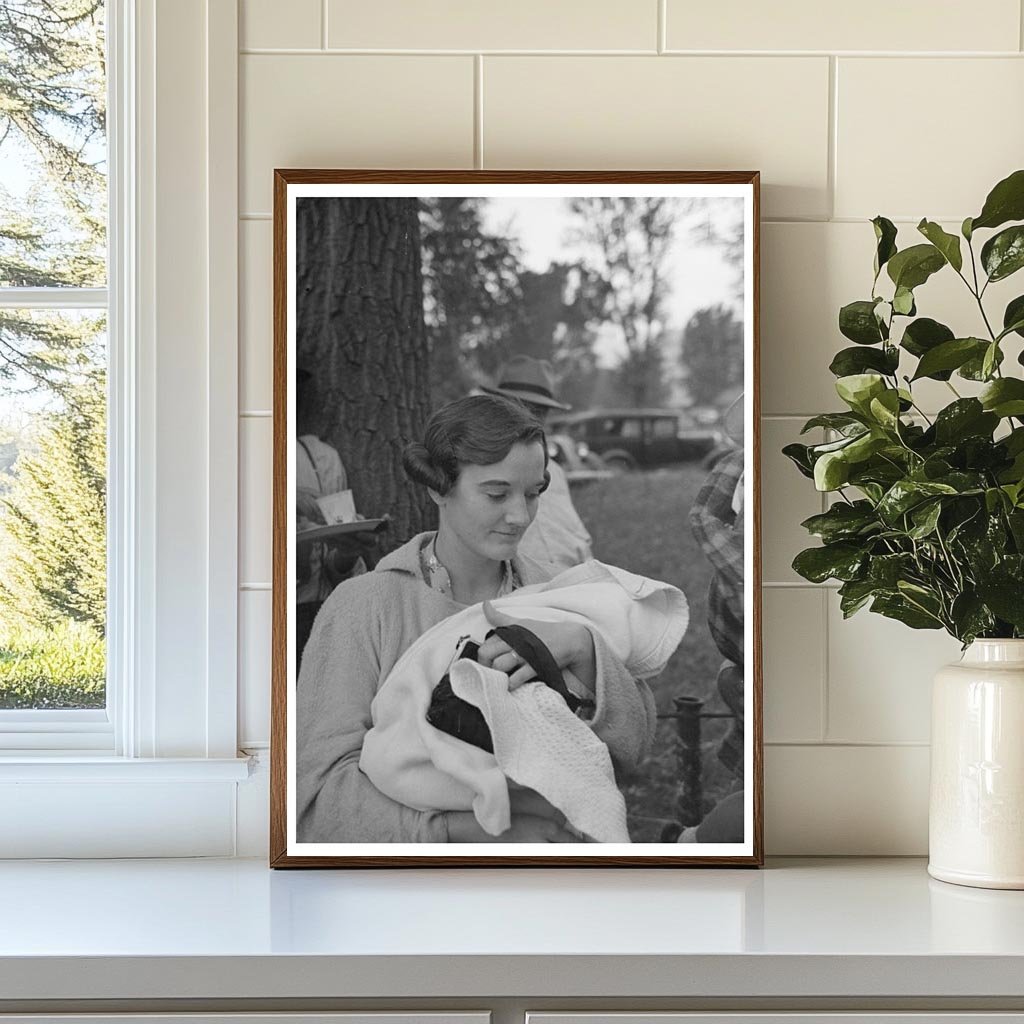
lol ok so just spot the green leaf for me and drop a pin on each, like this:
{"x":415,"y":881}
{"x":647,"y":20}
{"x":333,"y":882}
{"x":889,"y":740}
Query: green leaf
{"x":925,"y":334}
{"x":1005,"y":202}
{"x":925,"y":518}
{"x":858,"y":389}
{"x":885,"y":409}
{"x":903,"y":302}
{"x":966,"y":417}
{"x":885,"y":236}
{"x":904,"y":495}
{"x":887,"y":570}
{"x":1013,"y":317}
{"x":840,"y":561}
{"x":912,"y":267}
{"x":834,"y":420}
{"x":899,"y":608}
{"x":831,"y":471}
{"x":1004,"y":397}
{"x":950,"y":355}
{"x":843,"y":521}
{"x":974,"y":368}
{"x":850,"y":361}
{"x":965,"y":229}
{"x":1003,"y":254}
{"x":854,"y":594}
{"x":947,"y":244}
{"x":799,"y":455}
{"x":970,"y":617}
{"x":990,"y":361}
{"x":1005,"y":596}
{"x":857,"y":322}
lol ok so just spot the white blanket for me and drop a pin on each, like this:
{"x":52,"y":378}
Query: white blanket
{"x":538,"y":741}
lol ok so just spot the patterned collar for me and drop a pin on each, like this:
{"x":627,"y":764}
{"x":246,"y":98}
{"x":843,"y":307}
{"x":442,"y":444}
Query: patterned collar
{"x":437,"y":577}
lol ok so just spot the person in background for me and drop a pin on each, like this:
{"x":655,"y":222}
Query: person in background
{"x":557,"y":537}
{"x":319,"y":471}
{"x":717,"y":518}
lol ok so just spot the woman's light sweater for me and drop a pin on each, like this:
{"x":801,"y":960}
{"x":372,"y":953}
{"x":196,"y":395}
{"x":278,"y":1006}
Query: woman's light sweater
{"x":364,"y":627}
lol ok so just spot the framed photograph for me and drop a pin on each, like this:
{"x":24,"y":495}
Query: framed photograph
{"x":516,"y":606}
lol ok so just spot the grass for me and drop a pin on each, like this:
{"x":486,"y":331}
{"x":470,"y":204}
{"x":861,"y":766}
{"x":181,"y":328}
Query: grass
{"x":640,"y":522}
{"x":60,"y":667}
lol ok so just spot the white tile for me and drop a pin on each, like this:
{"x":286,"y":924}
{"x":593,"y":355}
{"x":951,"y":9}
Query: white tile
{"x":880,"y":676}
{"x":787,"y":499}
{"x":471,"y":25}
{"x":846,"y":801}
{"x":653,"y":112}
{"x":254,"y":646}
{"x":270,"y":24}
{"x":869,"y":25}
{"x":255,"y":513}
{"x":793,"y":642}
{"x":961,"y":130}
{"x":808,"y":272}
{"x":351,"y":111}
{"x":255,"y":319}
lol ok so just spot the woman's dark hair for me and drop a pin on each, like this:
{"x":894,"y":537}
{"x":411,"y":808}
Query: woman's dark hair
{"x":480,"y":429}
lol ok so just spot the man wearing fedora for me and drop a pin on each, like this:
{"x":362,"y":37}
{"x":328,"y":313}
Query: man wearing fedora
{"x":557,"y":537}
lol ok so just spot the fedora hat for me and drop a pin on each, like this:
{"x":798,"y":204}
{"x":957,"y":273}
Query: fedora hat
{"x":530,"y":380}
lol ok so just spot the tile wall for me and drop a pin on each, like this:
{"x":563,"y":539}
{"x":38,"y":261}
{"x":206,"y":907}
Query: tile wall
{"x":910,"y":109}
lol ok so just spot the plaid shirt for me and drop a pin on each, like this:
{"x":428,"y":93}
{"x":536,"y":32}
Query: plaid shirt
{"x":720,"y":533}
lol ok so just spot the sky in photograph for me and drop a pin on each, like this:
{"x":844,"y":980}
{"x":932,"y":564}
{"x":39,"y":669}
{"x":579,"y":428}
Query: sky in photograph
{"x":699,"y":275}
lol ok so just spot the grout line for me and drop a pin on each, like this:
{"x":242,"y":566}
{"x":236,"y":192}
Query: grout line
{"x":255,"y":414}
{"x":663,"y":25}
{"x":800,"y":584}
{"x":258,"y":51}
{"x":823,"y":682}
{"x":255,"y":216}
{"x":833,"y":135}
{"x":478,"y":112}
{"x":843,"y":744}
{"x":323,"y":24}
{"x":1020,"y":19}
{"x":255,"y":586}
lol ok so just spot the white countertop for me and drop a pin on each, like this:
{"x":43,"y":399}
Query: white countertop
{"x":234,"y":929}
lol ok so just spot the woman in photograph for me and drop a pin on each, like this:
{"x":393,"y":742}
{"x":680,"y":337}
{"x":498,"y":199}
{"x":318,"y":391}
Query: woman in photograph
{"x":484,"y":462}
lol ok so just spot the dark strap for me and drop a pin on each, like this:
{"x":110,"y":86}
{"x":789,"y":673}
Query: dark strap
{"x":535,"y":653}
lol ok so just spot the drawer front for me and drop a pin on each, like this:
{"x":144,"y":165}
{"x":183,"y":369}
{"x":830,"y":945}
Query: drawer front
{"x":358,"y":1017}
{"x":933,"y":1017}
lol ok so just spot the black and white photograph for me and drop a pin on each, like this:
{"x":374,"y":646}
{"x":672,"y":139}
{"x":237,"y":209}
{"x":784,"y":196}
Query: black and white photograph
{"x":515,"y":548}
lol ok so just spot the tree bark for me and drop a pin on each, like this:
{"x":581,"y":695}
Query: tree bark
{"x":360,"y":332}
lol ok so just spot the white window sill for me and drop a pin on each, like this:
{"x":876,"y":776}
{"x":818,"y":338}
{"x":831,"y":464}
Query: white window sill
{"x":74,"y":766}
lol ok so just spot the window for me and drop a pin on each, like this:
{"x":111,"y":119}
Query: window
{"x":53,"y":363}
{"x":632,"y":429}
{"x":664,"y":426}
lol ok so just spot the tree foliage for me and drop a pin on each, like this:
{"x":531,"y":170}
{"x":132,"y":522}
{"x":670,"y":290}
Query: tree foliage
{"x":52,"y":122}
{"x":712,"y":356}
{"x":928,"y":525}
{"x":52,"y":235}
{"x":53,"y":537}
{"x":472,"y":296}
{"x":627,"y":240}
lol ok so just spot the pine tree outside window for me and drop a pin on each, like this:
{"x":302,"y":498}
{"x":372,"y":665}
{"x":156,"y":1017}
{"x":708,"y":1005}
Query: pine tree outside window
{"x":53,"y":367}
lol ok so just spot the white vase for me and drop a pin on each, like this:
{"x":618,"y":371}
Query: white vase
{"x":976,"y":814}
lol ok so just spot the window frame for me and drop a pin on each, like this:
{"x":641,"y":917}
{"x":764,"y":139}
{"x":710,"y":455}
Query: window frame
{"x":169,"y":773}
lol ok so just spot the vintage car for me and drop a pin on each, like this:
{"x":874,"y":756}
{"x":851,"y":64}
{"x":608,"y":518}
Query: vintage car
{"x":628,"y":439}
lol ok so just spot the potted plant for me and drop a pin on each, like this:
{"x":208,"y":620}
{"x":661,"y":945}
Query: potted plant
{"x":927,"y":521}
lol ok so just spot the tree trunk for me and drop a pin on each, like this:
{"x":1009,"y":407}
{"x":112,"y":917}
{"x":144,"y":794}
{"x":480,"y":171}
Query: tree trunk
{"x":360,"y":332}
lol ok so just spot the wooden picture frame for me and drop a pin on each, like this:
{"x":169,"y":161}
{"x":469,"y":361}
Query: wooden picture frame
{"x":322,"y":309}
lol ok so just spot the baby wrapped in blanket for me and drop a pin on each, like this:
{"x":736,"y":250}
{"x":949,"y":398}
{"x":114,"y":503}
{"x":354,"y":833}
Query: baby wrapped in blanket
{"x":538,"y":741}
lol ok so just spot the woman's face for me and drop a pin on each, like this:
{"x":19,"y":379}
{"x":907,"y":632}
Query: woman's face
{"x":490,"y":507}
